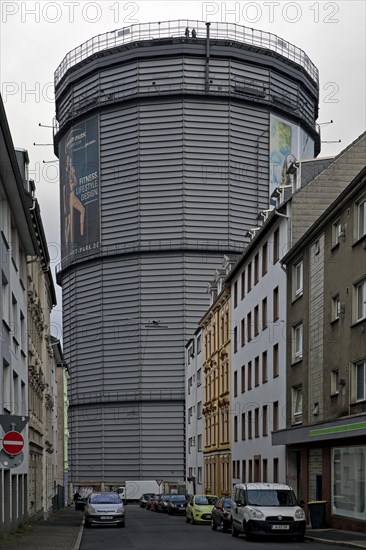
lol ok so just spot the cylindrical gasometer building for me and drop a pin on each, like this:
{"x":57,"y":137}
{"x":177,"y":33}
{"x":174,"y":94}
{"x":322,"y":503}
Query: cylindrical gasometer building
{"x":169,"y":147}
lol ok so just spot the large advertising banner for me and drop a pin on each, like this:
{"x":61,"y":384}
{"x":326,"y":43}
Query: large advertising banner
{"x":288,"y":143}
{"x":79,"y":185}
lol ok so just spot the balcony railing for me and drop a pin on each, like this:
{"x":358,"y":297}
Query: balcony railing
{"x":176,"y":29}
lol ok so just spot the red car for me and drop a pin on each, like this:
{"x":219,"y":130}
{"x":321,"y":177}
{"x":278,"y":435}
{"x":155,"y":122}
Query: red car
{"x":152,"y":503}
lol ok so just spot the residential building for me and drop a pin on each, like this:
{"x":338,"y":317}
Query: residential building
{"x":326,"y":353}
{"x":168,"y":147}
{"x":42,"y":387}
{"x":17,"y":242}
{"x":258,"y":351}
{"x":28,"y":389}
{"x":64,"y":495}
{"x":215,"y":326}
{"x":194,"y":414}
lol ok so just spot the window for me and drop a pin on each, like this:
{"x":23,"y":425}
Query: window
{"x":298,"y":278}
{"x":275,"y":304}
{"x":336,"y":307}
{"x":250,"y":471}
{"x":199,"y":409}
{"x":256,"y":422}
{"x":275,"y":416}
{"x":360,"y":380}
{"x":264,"y":314}
{"x":264,"y":368}
{"x":235,"y":428}
{"x":199,"y":377}
{"x":361,"y":217}
{"x":235,"y":339}
{"x":256,"y":268}
{"x":264,"y":258}
{"x":297,"y":332}
{"x":334,"y":382}
{"x":236,"y":294}
{"x":190,"y":382}
{"x":199,"y":478}
{"x":276,"y":246}
{"x":249,"y":385}
{"x":6,"y":300}
{"x":264,"y":470}
{"x":256,"y":321}
{"x":275,"y":364}
{"x":297,"y":404}
{"x":275,"y":470}
{"x":199,"y":344}
{"x":337,"y":232}
{"x":236,"y":383}
{"x":361,"y":300}
{"x":249,"y":327}
{"x":199,"y":442}
{"x":243,"y":471}
{"x":250,"y":425}
{"x":243,"y":379}
{"x":256,"y":371}
{"x":243,"y":426}
{"x":249,"y":278}
{"x":242,"y":332}
{"x":348,"y":481}
{"x":6,"y":387}
{"x":242,"y":286}
{"x":265,"y":420}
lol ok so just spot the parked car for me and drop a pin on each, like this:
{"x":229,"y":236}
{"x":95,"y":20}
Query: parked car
{"x":163,"y":501}
{"x":177,"y":504}
{"x":221,"y":514}
{"x":266,"y":509}
{"x":105,"y":508}
{"x":144,"y":498}
{"x":199,"y":508}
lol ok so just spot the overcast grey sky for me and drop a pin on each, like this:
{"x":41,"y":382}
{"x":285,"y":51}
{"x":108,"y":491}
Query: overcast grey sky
{"x":35,"y":36}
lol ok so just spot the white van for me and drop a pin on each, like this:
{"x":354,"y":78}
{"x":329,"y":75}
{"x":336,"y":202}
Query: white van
{"x":266,"y":509}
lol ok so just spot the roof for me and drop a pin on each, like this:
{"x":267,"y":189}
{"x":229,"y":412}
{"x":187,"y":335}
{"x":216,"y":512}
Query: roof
{"x":13,"y":186}
{"x":310,"y":202}
{"x":358,"y":181}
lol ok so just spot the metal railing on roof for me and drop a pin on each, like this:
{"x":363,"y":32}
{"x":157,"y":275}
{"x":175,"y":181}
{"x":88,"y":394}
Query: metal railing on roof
{"x":176,"y":29}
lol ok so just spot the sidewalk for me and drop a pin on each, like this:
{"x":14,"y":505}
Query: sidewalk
{"x":337,"y":538}
{"x":62,"y":530}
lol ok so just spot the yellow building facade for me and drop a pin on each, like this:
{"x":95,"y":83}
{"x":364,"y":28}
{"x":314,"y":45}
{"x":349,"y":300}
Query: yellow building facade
{"x":217,"y":446}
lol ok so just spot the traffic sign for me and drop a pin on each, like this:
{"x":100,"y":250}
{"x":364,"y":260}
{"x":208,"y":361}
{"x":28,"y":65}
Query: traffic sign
{"x":13,"y":443}
{"x":159,"y":481}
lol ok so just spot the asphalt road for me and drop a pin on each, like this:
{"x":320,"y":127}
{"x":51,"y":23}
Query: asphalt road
{"x":147,"y":530}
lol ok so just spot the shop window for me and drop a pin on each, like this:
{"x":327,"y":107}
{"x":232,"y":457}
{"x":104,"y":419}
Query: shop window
{"x":348,"y":489}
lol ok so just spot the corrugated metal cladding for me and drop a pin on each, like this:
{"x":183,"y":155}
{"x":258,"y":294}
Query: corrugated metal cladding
{"x":184,"y":172}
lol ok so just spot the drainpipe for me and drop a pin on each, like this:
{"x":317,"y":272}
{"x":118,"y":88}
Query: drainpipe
{"x":207,"y":81}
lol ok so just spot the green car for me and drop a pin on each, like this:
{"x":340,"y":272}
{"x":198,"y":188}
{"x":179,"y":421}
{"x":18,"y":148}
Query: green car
{"x":199,"y":508}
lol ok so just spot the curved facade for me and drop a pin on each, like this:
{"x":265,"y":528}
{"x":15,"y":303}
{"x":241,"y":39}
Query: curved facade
{"x":168,"y":149}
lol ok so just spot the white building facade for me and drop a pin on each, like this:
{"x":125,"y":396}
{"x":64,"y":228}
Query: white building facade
{"x":194,"y":417}
{"x":258,"y":352}
{"x":16,"y":242}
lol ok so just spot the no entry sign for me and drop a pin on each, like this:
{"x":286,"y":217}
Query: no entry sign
{"x":13,"y":443}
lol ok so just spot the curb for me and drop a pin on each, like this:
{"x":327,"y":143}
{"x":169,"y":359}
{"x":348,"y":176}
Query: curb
{"x":80,"y":534}
{"x":336,"y":542}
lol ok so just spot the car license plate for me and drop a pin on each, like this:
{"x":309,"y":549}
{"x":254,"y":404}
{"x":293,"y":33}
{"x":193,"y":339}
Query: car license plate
{"x":106,"y":517}
{"x":281,"y":527}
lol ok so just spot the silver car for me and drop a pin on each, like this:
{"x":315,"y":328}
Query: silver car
{"x":105,"y":508}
